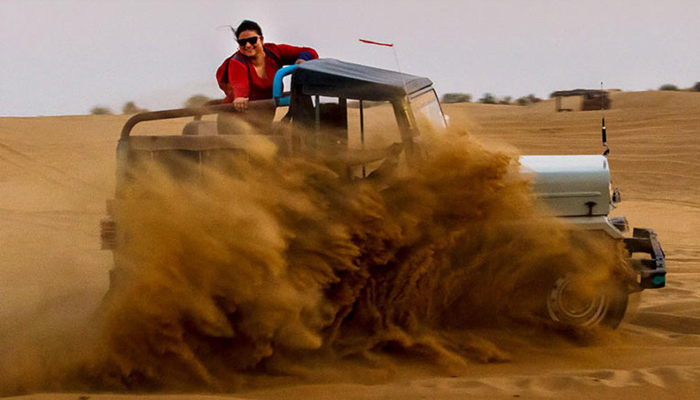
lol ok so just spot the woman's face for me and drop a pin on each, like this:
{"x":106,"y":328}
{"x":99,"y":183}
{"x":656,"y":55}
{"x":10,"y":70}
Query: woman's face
{"x":247,"y":48}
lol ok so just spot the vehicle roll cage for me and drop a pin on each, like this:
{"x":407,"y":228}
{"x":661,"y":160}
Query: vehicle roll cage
{"x":187,"y":112}
{"x":279,"y":99}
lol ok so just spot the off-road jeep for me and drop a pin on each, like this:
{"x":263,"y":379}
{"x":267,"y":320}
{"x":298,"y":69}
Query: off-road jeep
{"x":575,"y":188}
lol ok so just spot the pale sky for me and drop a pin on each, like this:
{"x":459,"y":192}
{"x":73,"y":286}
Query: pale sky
{"x":62,"y":57}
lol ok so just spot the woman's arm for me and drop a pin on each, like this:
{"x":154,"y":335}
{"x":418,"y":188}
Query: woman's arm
{"x":238,"y":78}
{"x":232,"y":77}
{"x":223,"y":82}
{"x":290,"y":54}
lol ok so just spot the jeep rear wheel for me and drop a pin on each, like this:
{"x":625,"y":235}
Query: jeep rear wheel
{"x":573,"y":302}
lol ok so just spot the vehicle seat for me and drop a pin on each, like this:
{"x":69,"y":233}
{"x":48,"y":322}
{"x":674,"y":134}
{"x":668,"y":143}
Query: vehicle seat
{"x":200,"y":128}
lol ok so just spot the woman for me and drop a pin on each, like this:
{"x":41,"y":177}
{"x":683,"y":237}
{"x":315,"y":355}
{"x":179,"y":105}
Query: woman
{"x":249,"y":73}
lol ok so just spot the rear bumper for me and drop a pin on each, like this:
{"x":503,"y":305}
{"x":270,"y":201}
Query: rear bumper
{"x":651,"y":270}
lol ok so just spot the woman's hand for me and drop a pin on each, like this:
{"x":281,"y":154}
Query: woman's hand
{"x":240,"y":103}
{"x":299,"y":61}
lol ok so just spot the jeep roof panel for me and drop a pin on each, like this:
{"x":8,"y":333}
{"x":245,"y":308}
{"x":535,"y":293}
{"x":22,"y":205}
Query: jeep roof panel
{"x":334,"y":78}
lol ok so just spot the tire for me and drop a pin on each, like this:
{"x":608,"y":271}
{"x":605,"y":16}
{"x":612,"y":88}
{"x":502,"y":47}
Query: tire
{"x":572,"y":303}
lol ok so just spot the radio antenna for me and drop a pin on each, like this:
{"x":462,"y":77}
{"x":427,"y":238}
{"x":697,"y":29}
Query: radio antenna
{"x":396,"y":58}
{"x":602,"y":112}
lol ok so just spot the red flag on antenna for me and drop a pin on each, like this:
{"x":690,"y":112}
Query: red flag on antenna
{"x":377,"y":43}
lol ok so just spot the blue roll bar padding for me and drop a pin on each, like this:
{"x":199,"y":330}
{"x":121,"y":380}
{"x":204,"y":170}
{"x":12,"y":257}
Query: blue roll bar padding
{"x":277,"y":85}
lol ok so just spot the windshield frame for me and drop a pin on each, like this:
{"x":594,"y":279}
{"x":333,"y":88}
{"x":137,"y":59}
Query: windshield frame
{"x":420,"y":93}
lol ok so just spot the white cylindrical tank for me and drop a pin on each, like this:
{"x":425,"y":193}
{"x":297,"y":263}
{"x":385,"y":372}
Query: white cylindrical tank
{"x":570,"y":185}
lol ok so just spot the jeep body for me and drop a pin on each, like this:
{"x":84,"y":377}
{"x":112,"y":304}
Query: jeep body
{"x":575,"y":188}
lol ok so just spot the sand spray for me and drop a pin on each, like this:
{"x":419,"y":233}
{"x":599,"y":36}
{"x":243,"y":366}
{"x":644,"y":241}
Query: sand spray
{"x":267,"y":266}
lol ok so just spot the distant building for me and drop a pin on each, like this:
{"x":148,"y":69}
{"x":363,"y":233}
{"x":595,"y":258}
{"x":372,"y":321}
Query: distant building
{"x":590,"y":99}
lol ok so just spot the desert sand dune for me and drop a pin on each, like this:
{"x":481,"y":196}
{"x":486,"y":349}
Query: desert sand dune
{"x":55,"y":174}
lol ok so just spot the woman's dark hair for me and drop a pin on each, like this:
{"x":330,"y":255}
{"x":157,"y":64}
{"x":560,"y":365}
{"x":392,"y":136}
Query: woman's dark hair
{"x":248,"y":25}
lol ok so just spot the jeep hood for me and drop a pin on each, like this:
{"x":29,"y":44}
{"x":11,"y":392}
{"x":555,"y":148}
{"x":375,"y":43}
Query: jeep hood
{"x":570,"y":185}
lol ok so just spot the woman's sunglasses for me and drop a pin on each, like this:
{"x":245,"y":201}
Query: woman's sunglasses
{"x":252,"y":40}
